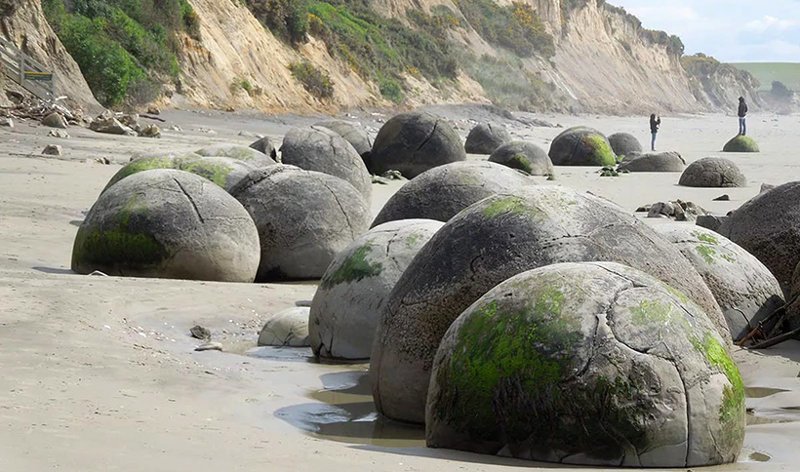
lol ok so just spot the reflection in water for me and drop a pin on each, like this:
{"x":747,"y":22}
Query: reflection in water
{"x":347,"y":414}
{"x":762,"y":392}
{"x":759,"y":457}
{"x":297,"y":354}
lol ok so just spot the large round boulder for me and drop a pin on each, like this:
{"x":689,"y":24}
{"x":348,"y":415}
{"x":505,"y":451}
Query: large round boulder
{"x":353,"y":133}
{"x":712,"y":172}
{"x":264,"y":145}
{"x":592,"y":364}
{"x":744,"y":288}
{"x":242,"y":153}
{"x":170,"y":224}
{"x":440,"y":193}
{"x":768,"y":227}
{"x":495,"y":239}
{"x":582,"y":146}
{"x":524,"y":156}
{"x":286,"y":328}
{"x":669,"y":161}
{"x":741,"y":144}
{"x":624,"y":144}
{"x":322,"y":150}
{"x":485,"y":138}
{"x":304,"y":219}
{"x":412,"y":143}
{"x":223,"y":171}
{"x":354,"y":289}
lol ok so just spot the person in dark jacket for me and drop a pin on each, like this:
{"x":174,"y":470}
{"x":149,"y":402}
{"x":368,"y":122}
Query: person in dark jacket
{"x":655,"y":122}
{"x":742,"y":115}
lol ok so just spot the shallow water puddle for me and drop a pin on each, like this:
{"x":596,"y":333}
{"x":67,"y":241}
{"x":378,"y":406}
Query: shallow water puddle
{"x":347,"y":414}
{"x":762,"y":392}
{"x":296,"y":354}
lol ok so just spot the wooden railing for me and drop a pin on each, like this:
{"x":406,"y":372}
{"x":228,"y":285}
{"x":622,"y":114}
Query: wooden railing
{"x":25,"y":71}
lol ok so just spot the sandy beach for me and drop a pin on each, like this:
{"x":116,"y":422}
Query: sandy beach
{"x":100,"y":373}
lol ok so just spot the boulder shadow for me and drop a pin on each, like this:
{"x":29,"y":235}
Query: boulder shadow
{"x":54,"y":270}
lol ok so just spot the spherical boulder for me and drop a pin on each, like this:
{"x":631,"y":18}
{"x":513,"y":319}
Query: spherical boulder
{"x":440,"y":193}
{"x":354,"y":288}
{"x":485,"y":138}
{"x":524,"y":156}
{"x":169,"y":224}
{"x":489,"y":242}
{"x":223,"y":171}
{"x":768,"y":227}
{"x":242,"y":153}
{"x":322,"y":150}
{"x":653,"y":162}
{"x":744,"y":288}
{"x":264,"y":145}
{"x":712,"y":172}
{"x":412,"y":143}
{"x":581,"y":146}
{"x":592,"y":364}
{"x":286,"y":328}
{"x":353,"y":133}
{"x":304,"y":219}
{"x":741,"y":144}
{"x":624,"y":144}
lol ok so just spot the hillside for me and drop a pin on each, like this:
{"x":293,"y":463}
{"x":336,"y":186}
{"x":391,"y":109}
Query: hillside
{"x":314,"y":55}
{"x":788,"y":73}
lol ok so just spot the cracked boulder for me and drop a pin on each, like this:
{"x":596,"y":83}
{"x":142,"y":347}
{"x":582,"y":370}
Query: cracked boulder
{"x":354,"y":133}
{"x":304,"y":219}
{"x":587,"y":364}
{"x":582,"y":146}
{"x":171,"y":224}
{"x":322,"y":150}
{"x":669,"y":161}
{"x":413,"y":143}
{"x":440,"y":193}
{"x":487,"y":243}
{"x":286,"y":328}
{"x":712,"y":172}
{"x":768,"y":227}
{"x":485,"y":138}
{"x":624,"y":144}
{"x":223,"y":171}
{"x":744,"y":288}
{"x":523,"y":156}
{"x":354,"y":289}
{"x":241,"y":153}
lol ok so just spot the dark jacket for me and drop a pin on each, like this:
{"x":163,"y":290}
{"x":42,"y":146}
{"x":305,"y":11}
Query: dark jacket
{"x":742,"y":109}
{"x":654,"y":124}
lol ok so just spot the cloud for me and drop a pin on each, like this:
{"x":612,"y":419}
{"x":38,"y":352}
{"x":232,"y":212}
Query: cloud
{"x":770,"y":23}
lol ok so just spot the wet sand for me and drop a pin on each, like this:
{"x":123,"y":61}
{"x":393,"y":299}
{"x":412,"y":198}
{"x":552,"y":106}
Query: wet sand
{"x":99,"y":373}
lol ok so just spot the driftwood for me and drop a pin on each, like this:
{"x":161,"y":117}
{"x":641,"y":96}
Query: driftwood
{"x":769,"y":332}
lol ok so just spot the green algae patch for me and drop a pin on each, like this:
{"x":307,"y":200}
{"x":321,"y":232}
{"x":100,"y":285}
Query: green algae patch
{"x":741,"y":144}
{"x":354,"y":268}
{"x":107,"y":250}
{"x":140,"y":165}
{"x":505,"y":205}
{"x":413,"y":239}
{"x":706,"y":238}
{"x":520,"y":162}
{"x":652,"y":311}
{"x":706,"y":252}
{"x":601,"y":150}
{"x":213,"y":171}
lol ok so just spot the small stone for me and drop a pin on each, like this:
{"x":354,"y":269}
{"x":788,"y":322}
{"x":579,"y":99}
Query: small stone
{"x":150,"y":131}
{"x":711,"y":222}
{"x":393,"y":175}
{"x":52,"y":150}
{"x":230,"y":109}
{"x":7,"y":122}
{"x":766,"y":188}
{"x":200,"y":332}
{"x":99,"y":274}
{"x":153,"y":110}
{"x":723,"y":198}
{"x":209,"y":346}
{"x":661,"y":209}
{"x":55,"y":120}
{"x":643,"y":209}
{"x":57,"y":133}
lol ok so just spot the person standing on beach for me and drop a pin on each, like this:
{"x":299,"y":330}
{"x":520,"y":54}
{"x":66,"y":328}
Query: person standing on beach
{"x":655,"y":122}
{"x":742,"y":117}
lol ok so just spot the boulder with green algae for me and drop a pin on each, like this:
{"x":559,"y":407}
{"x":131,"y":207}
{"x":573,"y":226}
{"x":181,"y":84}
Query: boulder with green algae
{"x":223,"y":171}
{"x":582,"y":146}
{"x":523,"y":156}
{"x":440,"y":193}
{"x":712,"y":172}
{"x":624,"y":144}
{"x":235,"y":151}
{"x":355,"y":287}
{"x":587,"y":364}
{"x":490,"y":241}
{"x":741,"y":144}
{"x":304,"y":218}
{"x":319,"y":149}
{"x":745,"y":289}
{"x":485,"y":138}
{"x":413,"y":143}
{"x":167,"y":223}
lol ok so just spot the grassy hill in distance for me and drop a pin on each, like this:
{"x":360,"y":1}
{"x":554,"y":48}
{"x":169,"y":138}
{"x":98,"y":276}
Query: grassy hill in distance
{"x":786,"y":72}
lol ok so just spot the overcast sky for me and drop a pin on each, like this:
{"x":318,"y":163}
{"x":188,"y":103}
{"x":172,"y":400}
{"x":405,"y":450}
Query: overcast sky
{"x":730,"y":30}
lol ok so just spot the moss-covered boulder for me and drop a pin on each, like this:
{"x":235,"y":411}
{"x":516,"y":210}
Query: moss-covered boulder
{"x":304,"y":219}
{"x":590,"y":364}
{"x":355,"y":287}
{"x":490,"y":241}
{"x":582,"y":146}
{"x":440,"y":193}
{"x":741,"y":144}
{"x":745,"y":289}
{"x":319,"y":149}
{"x":523,"y":156}
{"x":286,"y":328}
{"x":169,"y":224}
{"x":265,"y":146}
{"x":624,"y":144}
{"x":485,"y":138}
{"x":712,"y":172}
{"x":223,"y":171}
{"x":234,"y":151}
{"x":412,"y":143}
{"x":353,"y":133}
{"x":669,"y":161}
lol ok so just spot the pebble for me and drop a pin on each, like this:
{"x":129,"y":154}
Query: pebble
{"x":209,"y":346}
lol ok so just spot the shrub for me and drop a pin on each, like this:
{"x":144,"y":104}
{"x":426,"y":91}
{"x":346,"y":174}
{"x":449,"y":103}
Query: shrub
{"x":390,"y":89}
{"x":508,"y":84}
{"x":287,"y":19}
{"x":317,"y":82}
